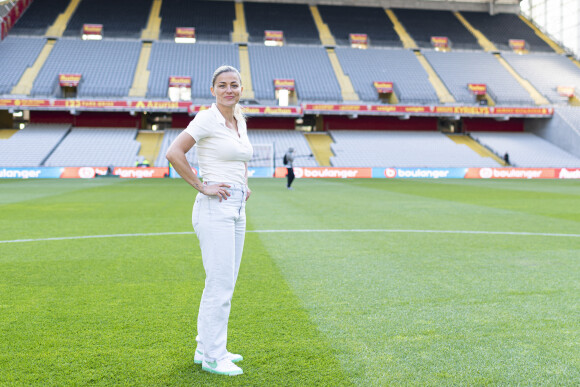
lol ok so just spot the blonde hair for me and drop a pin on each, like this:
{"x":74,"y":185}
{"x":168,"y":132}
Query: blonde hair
{"x":238,"y":110}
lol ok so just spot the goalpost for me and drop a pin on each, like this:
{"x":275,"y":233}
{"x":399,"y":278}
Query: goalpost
{"x":263,"y":159}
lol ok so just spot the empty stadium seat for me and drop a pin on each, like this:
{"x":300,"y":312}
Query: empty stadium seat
{"x":212,"y":20}
{"x":197,"y":61}
{"x":309,"y":66}
{"x":457,"y":69}
{"x":502,"y":27}
{"x":119,"y":18}
{"x":294,"y":19}
{"x":31,"y":146}
{"x":527,"y":150}
{"x":16,"y":55}
{"x":107,"y":67}
{"x":372,"y":21}
{"x":38,"y":17}
{"x":367,"y":148}
{"x":388,"y":65}
{"x":96,"y":147}
{"x":422,"y":24}
{"x":546,"y":72}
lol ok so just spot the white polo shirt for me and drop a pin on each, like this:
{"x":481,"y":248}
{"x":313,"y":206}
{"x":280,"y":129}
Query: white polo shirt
{"x":220,"y":151}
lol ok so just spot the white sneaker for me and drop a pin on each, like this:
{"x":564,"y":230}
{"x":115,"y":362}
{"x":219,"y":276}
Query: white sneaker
{"x":233,"y":357}
{"x":222,"y":367}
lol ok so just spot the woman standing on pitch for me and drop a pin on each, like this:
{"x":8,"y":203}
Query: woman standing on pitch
{"x":219,"y":217}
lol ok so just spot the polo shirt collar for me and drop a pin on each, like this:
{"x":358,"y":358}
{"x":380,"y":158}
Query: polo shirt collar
{"x":218,"y":115}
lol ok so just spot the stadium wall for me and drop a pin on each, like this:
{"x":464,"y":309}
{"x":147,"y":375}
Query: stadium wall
{"x":491,"y":125}
{"x":379,"y":123}
{"x":90,"y":119}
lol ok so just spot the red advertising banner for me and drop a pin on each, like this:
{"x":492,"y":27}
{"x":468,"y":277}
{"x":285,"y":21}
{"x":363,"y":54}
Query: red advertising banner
{"x":93,"y":29}
{"x":326,"y":172}
{"x":517,"y":44}
{"x":440,"y":41}
{"x":383,"y":87}
{"x":141,"y":173}
{"x":512,"y":173}
{"x":272,"y":110}
{"x":284,"y":84}
{"x":25,"y":102}
{"x":88,"y":104}
{"x":359,"y":39}
{"x":477,"y":88}
{"x":69,"y":80}
{"x":185,"y":32}
{"x":277,"y":36}
{"x":158,"y":105}
{"x":335,"y":108}
{"x":566,"y":91}
{"x":180,"y":82}
{"x":83,"y":172}
{"x":569,"y":173}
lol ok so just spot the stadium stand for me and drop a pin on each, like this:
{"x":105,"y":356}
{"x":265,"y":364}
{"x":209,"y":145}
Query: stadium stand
{"x":546,"y":72}
{"x":119,"y":18}
{"x":502,"y":27}
{"x":308,"y":66}
{"x":85,"y":147}
{"x":17,"y":54}
{"x":107,"y":67}
{"x":168,"y":137}
{"x":457,"y":69}
{"x":30,"y":147}
{"x":562,"y":130}
{"x":401,"y":149}
{"x":295,"y":20}
{"x":373,"y":21}
{"x":423,"y":24}
{"x":282,"y":140}
{"x":38,"y":17}
{"x":197,"y":61}
{"x":212,"y":20}
{"x":527,"y":149}
{"x":389,"y":65}
{"x":371,"y":148}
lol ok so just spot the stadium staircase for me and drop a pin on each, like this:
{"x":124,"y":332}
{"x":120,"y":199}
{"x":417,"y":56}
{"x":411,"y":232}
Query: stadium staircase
{"x":462,"y":139}
{"x":246,"y":73}
{"x":141,"y":78}
{"x":5,"y":134}
{"x":240,"y":33}
{"x":346,"y":88}
{"x":24,"y":85}
{"x":406,"y":39}
{"x":320,"y":146}
{"x":151,"y":32}
{"x":325,"y":35}
{"x":442,"y":93}
{"x":150,"y":144}
{"x":57,"y":29}
{"x":538,"y":98}
{"x":544,"y":37}
{"x":484,"y":42}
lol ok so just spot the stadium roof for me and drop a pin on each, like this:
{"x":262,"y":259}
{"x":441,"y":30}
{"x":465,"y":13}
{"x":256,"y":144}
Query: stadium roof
{"x":491,"y":6}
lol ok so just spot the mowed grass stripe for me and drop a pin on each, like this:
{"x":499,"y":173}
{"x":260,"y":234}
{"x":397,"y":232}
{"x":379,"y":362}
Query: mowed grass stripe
{"x":123,"y":311}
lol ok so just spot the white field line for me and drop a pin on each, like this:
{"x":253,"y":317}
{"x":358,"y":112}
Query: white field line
{"x":303,"y":231}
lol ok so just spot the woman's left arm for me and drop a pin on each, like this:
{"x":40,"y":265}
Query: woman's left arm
{"x":246,"y":176}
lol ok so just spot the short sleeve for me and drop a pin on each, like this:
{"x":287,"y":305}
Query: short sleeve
{"x":198,"y":128}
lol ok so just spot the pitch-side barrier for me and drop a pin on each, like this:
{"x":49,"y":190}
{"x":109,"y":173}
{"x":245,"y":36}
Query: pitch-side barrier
{"x":300,"y":172}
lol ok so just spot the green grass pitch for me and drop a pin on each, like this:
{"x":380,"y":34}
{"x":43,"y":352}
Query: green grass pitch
{"x":495,"y":300}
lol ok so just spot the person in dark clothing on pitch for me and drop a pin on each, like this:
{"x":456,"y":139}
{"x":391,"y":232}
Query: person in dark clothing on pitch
{"x":288,"y":162}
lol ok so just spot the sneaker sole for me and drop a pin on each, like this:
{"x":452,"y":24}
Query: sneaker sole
{"x":232,"y":373}
{"x":233,"y":361}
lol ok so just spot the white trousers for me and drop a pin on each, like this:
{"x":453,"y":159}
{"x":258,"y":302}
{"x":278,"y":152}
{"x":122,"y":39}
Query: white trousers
{"x":220,"y":228}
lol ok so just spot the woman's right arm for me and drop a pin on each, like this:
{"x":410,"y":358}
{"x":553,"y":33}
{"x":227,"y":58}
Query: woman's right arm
{"x":176,"y":156}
